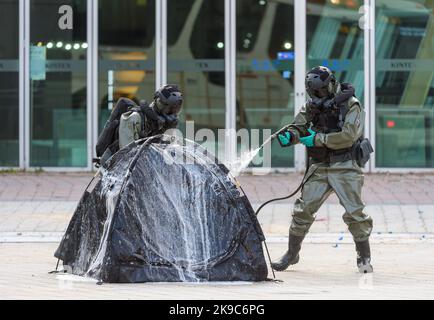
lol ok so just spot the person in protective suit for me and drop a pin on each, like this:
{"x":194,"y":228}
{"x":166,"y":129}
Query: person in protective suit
{"x":129,"y":122}
{"x":331,"y":126}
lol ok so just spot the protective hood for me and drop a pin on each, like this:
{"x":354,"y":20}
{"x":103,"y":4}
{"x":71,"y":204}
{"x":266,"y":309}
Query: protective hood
{"x":321,"y":83}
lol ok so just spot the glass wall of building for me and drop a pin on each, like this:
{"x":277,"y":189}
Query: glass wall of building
{"x":265,"y":71}
{"x":123,"y":39}
{"x":58,"y":85}
{"x":335,"y":40}
{"x":196,"y":62}
{"x":126,"y":53}
{"x":404,"y":84}
{"x":9,"y":83}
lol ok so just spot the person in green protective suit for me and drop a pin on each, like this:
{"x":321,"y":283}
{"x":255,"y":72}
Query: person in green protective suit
{"x":331,"y":126}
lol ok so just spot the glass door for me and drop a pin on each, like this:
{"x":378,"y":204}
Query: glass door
{"x":265,"y":72}
{"x":196,"y":62}
{"x":58,"y":89}
{"x":9,"y":83}
{"x":404,"y":84}
{"x":335,"y":40}
{"x":126,"y":53}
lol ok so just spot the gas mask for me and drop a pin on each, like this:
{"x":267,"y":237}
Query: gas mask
{"x":168,"y":104}
{"x":320,"y":83}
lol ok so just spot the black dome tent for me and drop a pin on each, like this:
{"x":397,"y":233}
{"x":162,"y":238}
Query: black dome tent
{"x":164,"y":210}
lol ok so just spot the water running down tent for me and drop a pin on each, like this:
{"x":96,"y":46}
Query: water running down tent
{"x":164,"y":210}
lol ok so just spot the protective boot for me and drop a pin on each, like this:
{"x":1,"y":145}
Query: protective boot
{"x":364,"y":257}
{"x":291,"y":256}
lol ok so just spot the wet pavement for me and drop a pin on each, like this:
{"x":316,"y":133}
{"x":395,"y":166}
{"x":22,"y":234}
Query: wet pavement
{"x":35,"y":210}
{"x":402,"y":271}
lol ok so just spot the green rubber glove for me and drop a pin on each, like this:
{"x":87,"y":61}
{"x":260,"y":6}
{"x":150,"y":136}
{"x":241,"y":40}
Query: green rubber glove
{"x":309,"y":141}
{"x":284,"y":139}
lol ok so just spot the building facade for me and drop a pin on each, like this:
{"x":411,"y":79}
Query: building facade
{"x":240,"y":64}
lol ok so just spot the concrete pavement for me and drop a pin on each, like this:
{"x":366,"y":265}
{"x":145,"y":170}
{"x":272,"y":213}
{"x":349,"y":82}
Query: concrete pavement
{"x":35,"y":209}
{"x":402,"y":271}
{"x":398,"y":203}
{"x":397,"y":189}
{"x":51,"y":218}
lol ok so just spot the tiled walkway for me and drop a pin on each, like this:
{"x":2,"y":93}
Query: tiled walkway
{"x":379,"y":188}
{"x":35,"y":210}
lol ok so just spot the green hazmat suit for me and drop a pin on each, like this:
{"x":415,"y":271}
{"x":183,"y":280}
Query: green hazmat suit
{"x":345,"y":178}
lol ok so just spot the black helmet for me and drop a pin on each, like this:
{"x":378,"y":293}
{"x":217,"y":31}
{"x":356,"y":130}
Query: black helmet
{"x":168,"y":100}
{"x":320,"y":82}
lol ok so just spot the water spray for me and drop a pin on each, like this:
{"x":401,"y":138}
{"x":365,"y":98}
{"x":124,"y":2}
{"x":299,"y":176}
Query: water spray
{"x":241,"y":164}
{"x":244,"y":163}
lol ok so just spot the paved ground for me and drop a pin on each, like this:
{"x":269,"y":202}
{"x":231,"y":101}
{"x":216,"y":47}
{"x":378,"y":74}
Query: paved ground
{"x":18,"y":219}
{"x":402,"y":271}
{"x":398,"y":203}
{"x":35,"y":210}
{"x":379,"y":188}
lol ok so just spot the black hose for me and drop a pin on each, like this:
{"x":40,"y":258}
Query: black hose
{"x":292,"y":194}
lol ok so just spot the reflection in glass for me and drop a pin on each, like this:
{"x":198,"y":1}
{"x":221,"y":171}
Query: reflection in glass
{"x":57,"y":86}
{"x":335,"y":40}
{"x":404,"y":84}
{"x":9,"y":106}
{"x":196,"y":61}
{"x":265,"y":70}
{"x":126,"y":53}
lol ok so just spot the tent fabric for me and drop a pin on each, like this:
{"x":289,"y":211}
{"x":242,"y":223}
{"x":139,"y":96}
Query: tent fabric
{"x":164,"y":210}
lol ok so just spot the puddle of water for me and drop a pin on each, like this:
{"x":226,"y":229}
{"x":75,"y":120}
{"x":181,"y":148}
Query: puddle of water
{"x":74,"y":278}
{"x":209,"y":283}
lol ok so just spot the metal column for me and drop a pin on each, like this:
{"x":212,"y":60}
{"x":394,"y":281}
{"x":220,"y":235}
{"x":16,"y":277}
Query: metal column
{"x":299,"y":73}
{"x":160,"y":43}
{"x":230,"y":76}
{"x":369,"y":66}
